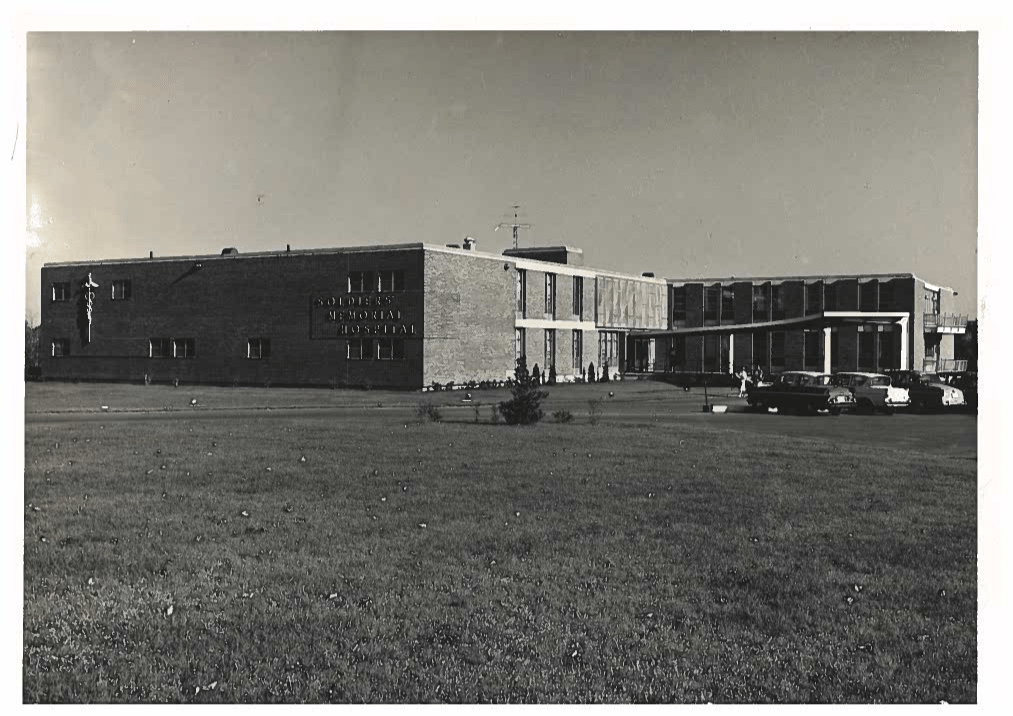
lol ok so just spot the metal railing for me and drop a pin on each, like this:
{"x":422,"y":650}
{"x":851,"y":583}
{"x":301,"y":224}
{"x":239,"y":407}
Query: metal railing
{"x":943,"y":365}
{"x":935,"y":321}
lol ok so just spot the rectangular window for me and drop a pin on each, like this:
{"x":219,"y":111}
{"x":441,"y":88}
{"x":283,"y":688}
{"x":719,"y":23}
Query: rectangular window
{"x":835,"y":349}
{"x":711,"y":353}
{"x":711,"y":299}
{"x":60,"y":348}
{"x":61,"y":291}
{"x":578,"y":351}
{"x":677,"y":352}
{"x":550,"y":348}
{"x":390,"y":348}
{"x":868,"y":296}
{"x":608,"y":348}
{"x":521,"y":292}
{"x":678,"y":303}
{"x":159,"y":348}
{"x":777,"y":350}
{"x":361,"y":282}
{"x":813,"y":298}
{"x":728,"y":303}
{"x":391,"y":281}
{"x":761,"y":349}
{"x":830,"y":297}
{"x":776,"y":303}
{"x":886,"y":345}
{"x":886,"y":296}
{"x":867,"y":348}
{"x":258,"y":348}
{"x":520,"y":347}
{"x":761,"y":302}
{"x":813,"y":343}
{"x":550,"y":295}
{"x":578,"y":297}
{"x":121,"y":290}
{"x":931,"y":301}
{"x":184,"y":347}
{"x":358,"y":349}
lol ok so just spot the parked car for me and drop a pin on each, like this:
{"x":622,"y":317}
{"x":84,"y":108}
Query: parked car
{"x":801,"y":391}
{"x":873,"y":392}
{"x":967,"y":383}
{"x":928,"y":391}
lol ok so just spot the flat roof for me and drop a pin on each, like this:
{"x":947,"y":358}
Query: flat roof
{"x":806,"y":277}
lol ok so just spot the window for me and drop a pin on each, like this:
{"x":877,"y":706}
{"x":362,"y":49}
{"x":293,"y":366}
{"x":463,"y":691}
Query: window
{"x":521,"y":292}
{"x":886,"y":296}
{"x":608,"y":348}
{"x":391,"y":281}
{"x":258,"y":348}
{"x":61,"y":291}
{"x":835,"y":348}
{"x":390,"y":348}
{"x":830,"y":297}
{"x":550,"y":295}
{"x":776,"y":303}
{"x":813,"y":297}
{"x":520,"y":347}
{"x":711,"y":297}
{"x":931,"y":301}
{"x":550,"y":348}
{"x":358,"y":349}
{"x":777,"y":349}
{"x":183,"y":348}
{"x":360,"y":282}
{"x":578,"y":297}
{"x":578,"y":351}
{"x":761,"y":349}
{"x":868,"y":296}
{"x":761,"y":302}
{"x":867,"y":348}
{"x":60,"y":348}
{"x":121,"y":290}
{"x":812,"y":344}
{"x":677,"y":352}
{"x":678,"y":303}
{"x":727,"y":303}
{"x":159,"y":348}
{"x":886,"y":347}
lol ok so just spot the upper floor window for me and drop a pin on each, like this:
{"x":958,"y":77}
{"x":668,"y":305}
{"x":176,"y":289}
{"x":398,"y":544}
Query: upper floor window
{"x":868,"y":296}
{"x":761,"y":302}
{"x":678,"y":303}
{"x":121,"y":290}
{"x":391,"y":281}
{"x":886,"y":297}
{"x":830,"y":297}
{"x":931,"y":301}
{"x":776,"y":303}
{"x":358,"y":349}
{"x":184,"y":347}
{"x":60,"y":347}
{"x":258,"y":348}
{"x":521,"y":291}
{"x":159,"y":348}
{"x":171,"y":348}
{"x":61,"y":291}
{"x":390,"y":349}
{"x":711,"y":299}
{"x":578,"y":297}
{"x":550,"y":294}
{"x":813,"y":297}
{"x":360,"y":282}
{"x":727,"y":303}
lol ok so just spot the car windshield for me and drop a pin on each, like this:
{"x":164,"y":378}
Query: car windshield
{"x":879,"y":381}
{"x":933,"y":378}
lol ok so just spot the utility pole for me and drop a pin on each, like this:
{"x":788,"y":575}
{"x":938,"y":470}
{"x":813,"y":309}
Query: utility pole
{"x":514,"y":225}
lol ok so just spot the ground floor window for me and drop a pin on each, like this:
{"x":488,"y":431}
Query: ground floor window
{"x":715,"y":353}
{"x":258,"y":348}
{"x":608,"y":348}
{"x":887,"y":344}
{"x":813,"y":349}
{"x":835,"y":349}
{"x":578,"y":351}
{"x":358,"y":349}
{"x":184,"y":347}
{"x":761,"y":349}
{"x":867,"y":348}
{"x":777,"y":350}
{"x":550,"y":348}
{"x":159,"y":348}
{"x":390,"y":348}
{"x":677,"y":353}
{"x":60,"y":348}
{"x":520,"y":344}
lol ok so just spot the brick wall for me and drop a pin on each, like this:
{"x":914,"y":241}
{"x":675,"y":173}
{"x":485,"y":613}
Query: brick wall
{"x":469,"y":318}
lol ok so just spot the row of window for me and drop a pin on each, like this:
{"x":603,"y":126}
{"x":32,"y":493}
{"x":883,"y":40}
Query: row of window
{"x":768,"y":300}
{"x":608,"y":347}
{"x":375,"y":349}
{"x":256,"y":348}
{"x":120,"y":290}
{"x":521,"y":295}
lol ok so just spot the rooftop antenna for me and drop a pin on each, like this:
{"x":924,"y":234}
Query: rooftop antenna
{"x":514,"y":225}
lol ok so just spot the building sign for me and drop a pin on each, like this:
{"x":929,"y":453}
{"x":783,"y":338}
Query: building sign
{"x":360,"y":315}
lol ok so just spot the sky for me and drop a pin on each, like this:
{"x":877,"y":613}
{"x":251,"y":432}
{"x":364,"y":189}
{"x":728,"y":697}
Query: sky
{"x":690,"y":154}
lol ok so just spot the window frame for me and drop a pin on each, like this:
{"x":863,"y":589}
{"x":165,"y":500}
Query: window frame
{"x":64,"y":291}
{"x":165,"y":347}
{"x":63,"y":343}
{"x":550,"y":295}
{"x":712,"y":302}
{"x":521,"y":293}
{"x":577,"y":336}
{"x":125,"y":287}
{"x":578,"y":297}
{"x":389,"y":348}
{"x":396,"y":281}
{"x":361,"y":282}
{"x":549,"y":348}
{"x":188,"y":345}
{"x":520,"y":344}
{"x":678,"y":298}
{"x":263,"y":348}
{"x":365,"y":349}
{"x":727,"y":303}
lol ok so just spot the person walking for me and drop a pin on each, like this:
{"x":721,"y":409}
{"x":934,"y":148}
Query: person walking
{"x":744,"y":378}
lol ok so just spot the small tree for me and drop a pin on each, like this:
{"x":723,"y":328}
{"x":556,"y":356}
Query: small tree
{"x":605,"y":372}
{"x":590,"y":373}
{"x":552,"y":374}
{"x":536,"y":377}
{"x":525,"y":405}
{"x":32,"y":351}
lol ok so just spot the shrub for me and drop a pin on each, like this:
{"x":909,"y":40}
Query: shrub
{"x":536,"y":377}
{"x":525,"y":407}
{"x":426,"y":409}
{"x":552,"y":374}
{"x":595,"y":408}
{"x":590,"y":373}
{"x":494,"y":414}
{"x":434,"y":386}
{"x":449,"y":385}
{"x":563,"y":416}
{"x":605,"y":372}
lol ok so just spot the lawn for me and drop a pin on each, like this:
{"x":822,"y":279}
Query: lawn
{"x":375,"y":558}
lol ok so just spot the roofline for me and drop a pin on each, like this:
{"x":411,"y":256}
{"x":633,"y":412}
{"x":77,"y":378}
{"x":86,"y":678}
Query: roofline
{"x":810,"y":277}
{"x":546,"y":249}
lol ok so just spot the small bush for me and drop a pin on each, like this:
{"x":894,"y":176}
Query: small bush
{"x":590,"y":373}
{"x":595,"y":408}
{"x":605,"y":372}
{"x":434,"y":386}
{"x":552,"y":375}
{"x":563,"y":416}
{"x":449,"y":385}
{"x":426,"y":409}
{"x":525,"y":407}
{"x":494,"y":414}
{"x":536,"y":376}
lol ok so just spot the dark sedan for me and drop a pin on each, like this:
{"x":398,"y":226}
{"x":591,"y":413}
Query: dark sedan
{"x":802,"y":392}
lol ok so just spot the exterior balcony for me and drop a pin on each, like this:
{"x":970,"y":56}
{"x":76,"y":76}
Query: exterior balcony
{"x":945,"y":323}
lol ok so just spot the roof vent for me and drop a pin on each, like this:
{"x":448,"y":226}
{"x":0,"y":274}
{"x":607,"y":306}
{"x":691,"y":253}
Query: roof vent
{"x":453,"y":246}
{"x":469,"y":243}
{"x":230,"y":251}
{"x":648,"y":274}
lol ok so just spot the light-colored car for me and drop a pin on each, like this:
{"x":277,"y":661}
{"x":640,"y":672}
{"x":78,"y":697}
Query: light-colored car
{"x":874,"y":392}
{"x":928,"y":391}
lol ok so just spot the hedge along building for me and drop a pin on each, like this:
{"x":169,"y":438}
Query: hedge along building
{"x":869,"y":322}
{"x":403,"y":316}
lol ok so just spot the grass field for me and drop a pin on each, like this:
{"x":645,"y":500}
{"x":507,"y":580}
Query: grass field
{"x":635,"y":560}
